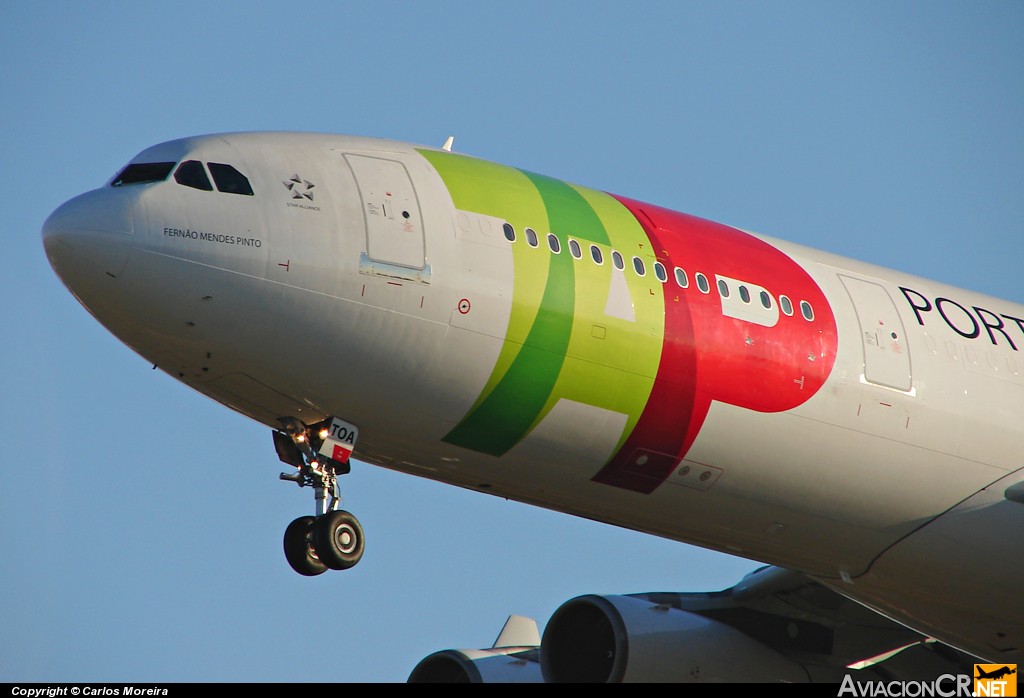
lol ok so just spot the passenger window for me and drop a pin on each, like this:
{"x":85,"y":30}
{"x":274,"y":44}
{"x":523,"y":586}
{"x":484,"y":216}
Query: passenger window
{"x":191,"y":174}
{"x":574,"y":249}
{"x":744,"y":294}
{"x":723,"y":288}
{"x":766,"y":300}
{"x":617,"y":260}
{"x":702,"y":283}
{"x":786,"y":305}
{"x":638,"y":266}
{"x":806,"y":310}
{"x":229,"y":180}
{"x":659,"y":271}
{"x":510,"y":232}
{"x":143,"y":172}
{"x":553,"y":243}
{"x":681,"y":278}
{"x":595,"y":254}
{"x":531,"y":237}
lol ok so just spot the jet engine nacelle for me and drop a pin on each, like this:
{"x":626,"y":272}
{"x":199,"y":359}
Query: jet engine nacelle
{"x":503,"y":665}
{"x":624,"y":638}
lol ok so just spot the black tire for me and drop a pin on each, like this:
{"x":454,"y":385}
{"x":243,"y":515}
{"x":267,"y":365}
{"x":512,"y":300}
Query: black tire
{"x":299,"y":550}
{"x":338,"y":539}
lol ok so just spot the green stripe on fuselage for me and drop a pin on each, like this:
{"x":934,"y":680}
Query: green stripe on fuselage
{"x":505,"y":193}
{"x":509,"y":411}
{"x":615,"y":373}
{"x":568,"y":212}
{"x":552,"y":349}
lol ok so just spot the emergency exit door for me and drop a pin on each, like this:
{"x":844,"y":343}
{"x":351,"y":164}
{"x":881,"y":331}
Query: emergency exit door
{"x":886,"y":354}
{"x":394,"y":226}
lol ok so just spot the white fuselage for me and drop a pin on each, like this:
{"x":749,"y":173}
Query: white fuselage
{"x":357,"y":282}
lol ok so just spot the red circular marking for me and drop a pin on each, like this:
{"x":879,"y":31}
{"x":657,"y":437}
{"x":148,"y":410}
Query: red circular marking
{"x":464,"y":306}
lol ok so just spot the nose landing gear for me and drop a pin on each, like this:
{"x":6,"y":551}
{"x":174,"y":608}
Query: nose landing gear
{"x":338,"y":537}
{"x":333,"y":538}
{"x":299,"y":550}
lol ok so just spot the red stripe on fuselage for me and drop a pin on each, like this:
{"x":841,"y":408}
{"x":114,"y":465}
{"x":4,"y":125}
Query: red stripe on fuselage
{"x":661,"y":434}
{"x":707,"y":355}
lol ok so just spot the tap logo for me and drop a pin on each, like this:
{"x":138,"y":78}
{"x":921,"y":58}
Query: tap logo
{"x":995,"y":679}
{"x":299,"y":187}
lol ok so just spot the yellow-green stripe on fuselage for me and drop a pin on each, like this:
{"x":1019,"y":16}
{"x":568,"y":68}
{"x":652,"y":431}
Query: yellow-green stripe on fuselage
{"x":560,"y":342}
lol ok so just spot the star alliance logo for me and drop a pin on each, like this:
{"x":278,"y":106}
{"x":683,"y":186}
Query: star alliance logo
{"x":299,"y":187}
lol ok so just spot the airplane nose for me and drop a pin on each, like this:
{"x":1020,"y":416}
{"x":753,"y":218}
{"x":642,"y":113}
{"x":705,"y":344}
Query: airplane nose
{"x":89,"y":237}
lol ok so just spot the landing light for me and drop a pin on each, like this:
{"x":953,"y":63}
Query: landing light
{"x":301,"y":438}
{"x":323,"y":434}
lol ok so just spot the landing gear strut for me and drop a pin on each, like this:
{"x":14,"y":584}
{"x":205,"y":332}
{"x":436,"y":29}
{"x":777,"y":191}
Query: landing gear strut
{"x":333,"y":538}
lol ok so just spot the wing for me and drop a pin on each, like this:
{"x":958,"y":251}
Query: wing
{"x":774,"y":625}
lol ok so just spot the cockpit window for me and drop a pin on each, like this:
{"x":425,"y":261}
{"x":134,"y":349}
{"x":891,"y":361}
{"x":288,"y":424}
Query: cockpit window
{"x":142,"y":172}
{"x":229,"y":180}
{"x":191,"y":174}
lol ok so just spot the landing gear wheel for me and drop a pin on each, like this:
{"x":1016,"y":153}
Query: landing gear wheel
{"x":333,"y":539}
{"x":338,"y":540}
{"x":299,"y":547}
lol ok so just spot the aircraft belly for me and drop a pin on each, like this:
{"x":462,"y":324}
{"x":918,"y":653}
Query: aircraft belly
{"x":828,"y":488}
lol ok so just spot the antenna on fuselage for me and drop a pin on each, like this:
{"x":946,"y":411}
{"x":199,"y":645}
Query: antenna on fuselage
{"x":447,"y":147}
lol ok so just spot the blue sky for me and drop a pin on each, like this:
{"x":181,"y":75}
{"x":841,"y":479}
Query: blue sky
{"x":141,"y":523}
